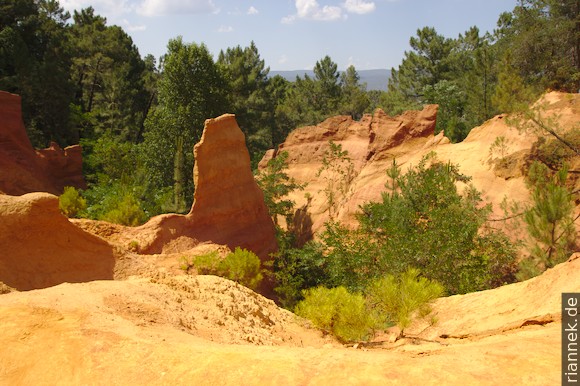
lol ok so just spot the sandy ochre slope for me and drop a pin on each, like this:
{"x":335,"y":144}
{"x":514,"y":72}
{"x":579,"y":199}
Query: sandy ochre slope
{"x":108,"y":305}
{"x":374,"y":141}
{"x":209,"y":331}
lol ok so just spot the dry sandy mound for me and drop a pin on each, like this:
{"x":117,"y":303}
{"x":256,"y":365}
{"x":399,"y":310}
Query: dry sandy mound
{"x":533,"y":302}
{"x":207,"y":307}
{"x":180,"y":331}
{"x":39,"y":247}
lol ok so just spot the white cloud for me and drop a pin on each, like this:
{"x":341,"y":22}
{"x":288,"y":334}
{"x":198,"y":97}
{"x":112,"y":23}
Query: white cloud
{"x":283,"y":59}
{"x":111,"y":9}
{"x":288,"y":19}
{"x":311,"y":10}
{"x":130,"y":27}
{"x":176,"y":7}
{"x":252,"y":11}
{"x":359,"y":6}
{"x":225,"y":28}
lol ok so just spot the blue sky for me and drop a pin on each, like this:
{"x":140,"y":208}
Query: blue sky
{"x":294,"y":34}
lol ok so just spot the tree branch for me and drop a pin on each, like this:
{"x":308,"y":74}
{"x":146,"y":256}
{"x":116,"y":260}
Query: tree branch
{"x":541,"y":124}
{"x":506,"y":218}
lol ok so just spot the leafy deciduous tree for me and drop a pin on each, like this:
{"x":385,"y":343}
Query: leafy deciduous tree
{"x":191,"y":89}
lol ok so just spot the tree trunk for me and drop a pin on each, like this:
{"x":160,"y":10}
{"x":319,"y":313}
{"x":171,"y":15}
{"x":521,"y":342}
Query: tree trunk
{"x":179,"y":177}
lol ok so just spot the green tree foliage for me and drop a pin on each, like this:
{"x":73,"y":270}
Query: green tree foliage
{"x":308,"y":100}
{"x":544,"y":37}
{"x":108,"y":74}
{"x":247,"y":77}
{"x":282,"y":124}
{"x":113,"y":169}
{"x":398,"y":299}
{"x":476,"y":76}
{"x":327,"y":78}
{"x":511,"y":94}
{"x":297,"y":269}
{"x":298,"y":108}
{"x":393,"y":102}
{"x":423,"y":222}
{"x":354,"y":96}
{"x":242,"y":266}
{"x":71,"y":203}
{"x":191,"y":89}
{"x":35,"y":59}
{"x":337,"y":170}
{"x":351,"y":257}
{"x":457,"y":74}
{"x":115,"y":90}
{"x":429,"y":225}
{"x":550,"y":220}
{"x":276,"y":184}
{"x":204,"y":264}
{"x":337,"y":311}
{"x":475,"y":60}
{"x":426,"y":64}
{"x":451,"y":115}
{"x":354,"y":316}
{"x":126,"y":211}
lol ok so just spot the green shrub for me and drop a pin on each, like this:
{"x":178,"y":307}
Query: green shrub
{"x":71,"y":202}
{"x":207,"y":264}
{"x":298,"y":269}
{"x":242,"y":266}
{"x":398,"y":299}
{"x":127,"y":212}
{"x":426,"y":223}
{"x":134,"y":246}
{"x":337,"y":311}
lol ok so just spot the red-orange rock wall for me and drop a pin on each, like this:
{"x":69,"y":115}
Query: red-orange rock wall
{"x":370,"y":141}
{"x":374,"y":141}
{"x":228,"y":205}
{"x":24,"y":170}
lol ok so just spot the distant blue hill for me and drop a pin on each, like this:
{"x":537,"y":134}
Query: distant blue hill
{"x":375,"y":79}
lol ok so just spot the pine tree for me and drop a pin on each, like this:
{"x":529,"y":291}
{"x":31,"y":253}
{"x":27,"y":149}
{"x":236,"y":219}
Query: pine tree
{"x":550,"y":219}
{"x":247,"y":78}
{"x":511,"y":94}
{"x":354,"y":96}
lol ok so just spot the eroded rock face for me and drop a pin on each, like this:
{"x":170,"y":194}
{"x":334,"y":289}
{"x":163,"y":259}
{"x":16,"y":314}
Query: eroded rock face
{"x":24,"y":170}
{"x":374,"y":141}
{"x":63,"y":166}
{"x":228,"y":207}
{"x":388,"y":132}
{"x":40,"y":248}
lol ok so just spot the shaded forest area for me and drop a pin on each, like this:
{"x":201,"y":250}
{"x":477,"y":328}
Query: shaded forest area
{"x":137,"y":118}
